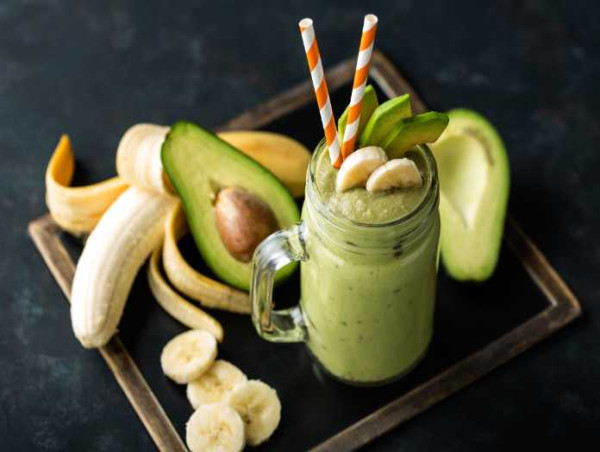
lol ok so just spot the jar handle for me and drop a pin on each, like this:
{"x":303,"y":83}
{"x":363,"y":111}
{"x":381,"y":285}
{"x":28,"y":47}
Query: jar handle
{"x":276,"y":251}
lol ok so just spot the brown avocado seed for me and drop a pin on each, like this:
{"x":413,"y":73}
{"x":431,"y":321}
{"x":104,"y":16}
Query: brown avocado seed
{"x":243,"y":220}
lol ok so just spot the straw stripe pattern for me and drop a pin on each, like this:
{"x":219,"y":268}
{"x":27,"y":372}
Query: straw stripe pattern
{"x":321,"y":92}
{"x":361,"y":74}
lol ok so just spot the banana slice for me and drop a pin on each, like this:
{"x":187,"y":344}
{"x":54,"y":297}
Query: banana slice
{"x":188,"y":355}
{"x":397,"y":173}
{"x":215,"y":428}
{"x":216,"y":384}
{"x":259,"y":407}
{"x":357,"y":168}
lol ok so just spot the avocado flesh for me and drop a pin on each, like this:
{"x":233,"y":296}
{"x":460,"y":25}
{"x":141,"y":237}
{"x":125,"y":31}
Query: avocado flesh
{"x":420,"y":129}
{"x":384,"y":119}
{"x":474,"y":181}
{"x":199,"y":164}
{"x":369,"y":105}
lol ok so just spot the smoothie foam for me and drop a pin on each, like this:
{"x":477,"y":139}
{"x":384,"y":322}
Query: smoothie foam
{"x":359,"y":205}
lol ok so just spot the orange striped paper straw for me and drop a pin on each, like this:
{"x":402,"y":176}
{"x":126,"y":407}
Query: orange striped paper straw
{"x":361,"y":74}
{"x":321,"y":92}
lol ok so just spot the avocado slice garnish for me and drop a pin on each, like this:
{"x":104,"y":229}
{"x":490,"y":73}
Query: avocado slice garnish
{"x":474,"y":181}
{"x":384,"y":119}
{"x":409,"y":132}
{"x":199,"y":164}
{"x":369,"y":104}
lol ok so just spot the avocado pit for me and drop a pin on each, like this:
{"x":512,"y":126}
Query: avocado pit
{"x":243,"y":221}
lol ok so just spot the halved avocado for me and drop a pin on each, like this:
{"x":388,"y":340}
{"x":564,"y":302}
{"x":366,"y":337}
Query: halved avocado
{"x":420,"y":129}
{"x":384,"y":119}
{"x":369,"y":105}
{"x":199,"y":164}
{"x":474,"y":181}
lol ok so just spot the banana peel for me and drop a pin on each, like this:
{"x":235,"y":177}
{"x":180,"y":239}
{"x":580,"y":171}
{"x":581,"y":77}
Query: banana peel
{"x":177,"y":306}
{"x":76,"y":209}
{"x":187,"y":280}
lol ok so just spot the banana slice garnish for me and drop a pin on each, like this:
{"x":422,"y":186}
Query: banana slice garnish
{"x":216,"y":384}
{"x":397,"y":173}
{"x":260,"y":408}
{"x":188,"y":355}
{"x":215,"y":428}
{"x":357,"y":168}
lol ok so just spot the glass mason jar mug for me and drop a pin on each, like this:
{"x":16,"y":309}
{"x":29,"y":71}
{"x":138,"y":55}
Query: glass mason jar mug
{"x":367,"y":290}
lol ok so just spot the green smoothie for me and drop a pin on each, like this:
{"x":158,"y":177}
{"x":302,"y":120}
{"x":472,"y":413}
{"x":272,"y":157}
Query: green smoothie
{"x":368,"y":284}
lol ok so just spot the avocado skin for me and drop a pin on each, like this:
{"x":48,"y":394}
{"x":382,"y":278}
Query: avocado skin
{"x":198,"y":164}
{"x":369,"y":105}
{"x":384,"y":119}
{"x":420,"y":129}
{"x":472,"y":255}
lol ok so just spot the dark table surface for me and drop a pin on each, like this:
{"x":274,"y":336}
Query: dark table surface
{"x":92,"y":69}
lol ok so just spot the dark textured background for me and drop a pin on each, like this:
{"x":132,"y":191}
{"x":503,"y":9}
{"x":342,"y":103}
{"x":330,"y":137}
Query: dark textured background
{"x":94,"y":68}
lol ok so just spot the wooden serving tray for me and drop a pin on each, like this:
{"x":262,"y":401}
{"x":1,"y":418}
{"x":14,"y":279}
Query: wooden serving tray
{"x":478,"y":327}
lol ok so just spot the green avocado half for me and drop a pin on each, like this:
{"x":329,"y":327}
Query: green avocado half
{"x":474,"y":181}
{"x":199,"y":164}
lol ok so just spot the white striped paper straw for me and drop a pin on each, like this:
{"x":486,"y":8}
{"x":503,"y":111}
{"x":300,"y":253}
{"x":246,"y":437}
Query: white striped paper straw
{"x":363,"y":62}
{"x":321,"y":92}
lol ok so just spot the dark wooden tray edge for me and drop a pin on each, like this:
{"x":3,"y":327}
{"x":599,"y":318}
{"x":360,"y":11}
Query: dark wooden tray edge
{"x":45,"y":234}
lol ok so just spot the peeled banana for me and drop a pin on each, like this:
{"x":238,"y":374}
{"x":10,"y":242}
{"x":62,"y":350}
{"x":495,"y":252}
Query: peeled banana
{"x":133,"y":216}
{"x":127,"y":233}
{"x":76,"y":209}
